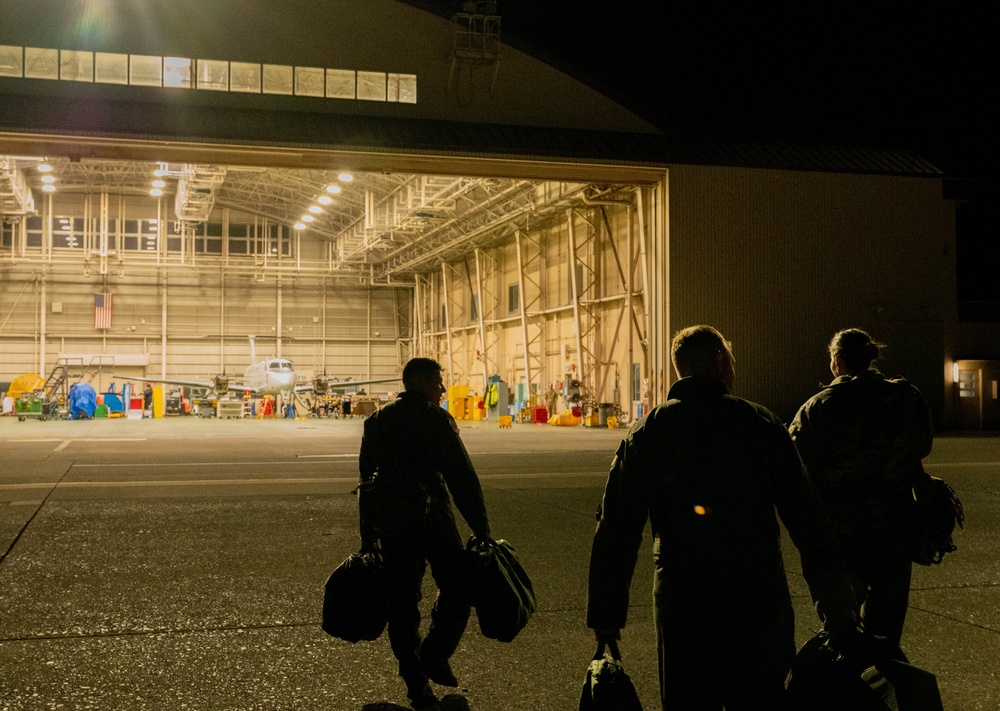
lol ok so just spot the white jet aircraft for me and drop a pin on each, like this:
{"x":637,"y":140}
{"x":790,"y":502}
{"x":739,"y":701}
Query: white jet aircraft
{"x":268,"y":377}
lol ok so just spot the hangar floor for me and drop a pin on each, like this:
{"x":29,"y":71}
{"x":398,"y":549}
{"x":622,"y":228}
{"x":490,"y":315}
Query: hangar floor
{"x":179,"y":564}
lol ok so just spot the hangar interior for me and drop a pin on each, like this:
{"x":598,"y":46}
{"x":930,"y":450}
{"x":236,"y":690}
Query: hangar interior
{"x":345,"y":274}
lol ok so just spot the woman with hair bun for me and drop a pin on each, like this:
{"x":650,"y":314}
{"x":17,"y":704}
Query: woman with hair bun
{"x":862,"y":439}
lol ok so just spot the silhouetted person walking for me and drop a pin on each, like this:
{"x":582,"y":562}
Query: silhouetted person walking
{"x":708,"y":469}
{"x":411,"y":458}
{"x":862,"y":439}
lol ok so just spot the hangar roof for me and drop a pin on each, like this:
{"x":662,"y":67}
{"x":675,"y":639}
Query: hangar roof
{"x":377,"y":135}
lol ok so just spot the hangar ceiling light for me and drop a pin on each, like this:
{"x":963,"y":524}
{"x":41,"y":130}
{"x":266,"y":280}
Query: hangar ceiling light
{"x":387,"y":224}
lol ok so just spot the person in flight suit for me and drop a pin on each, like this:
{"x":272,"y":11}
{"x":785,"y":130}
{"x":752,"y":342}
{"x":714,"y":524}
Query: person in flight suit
{"x":708,"y":470}
{"x":862,"y":439}
{"x":412,"y":463}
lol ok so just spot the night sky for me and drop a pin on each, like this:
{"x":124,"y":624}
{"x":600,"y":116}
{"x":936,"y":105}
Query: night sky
{"x":822,"y":74}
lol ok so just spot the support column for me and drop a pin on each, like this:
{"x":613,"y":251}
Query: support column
{"x":653,"y":350}
{"x":43,"y":299}
{"x":222,"y":322}
{"x":368,"y":337}
{"x":524,"y":310}
{"x":278,"y":320}
{"x":102,"y":227}
{"x":482,"y":326}
{"x":163,"y":324}
{"x":576,"y":293}
{"x":447,"y":321}
{"x":417,"y":318}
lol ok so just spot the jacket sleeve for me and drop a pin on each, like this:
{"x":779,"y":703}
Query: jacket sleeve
{"x":802,"y":512}
{"x":366,"y":495}
{"x":367,"y":464}
{"x":807,"y":442}
{"x":461,"y":478}
{"x":620,"y":520}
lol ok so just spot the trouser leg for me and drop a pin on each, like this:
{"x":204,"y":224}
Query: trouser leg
{"x":683,"y":685}
{"x":451,"y":610}
{"x":884,"y":611}
{"x":881,"y":572}
{"x":708,"y":661}
{"x":404,"y":573}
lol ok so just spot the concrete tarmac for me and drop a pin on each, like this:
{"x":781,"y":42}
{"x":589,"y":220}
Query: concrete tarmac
{"x":179,"y":564}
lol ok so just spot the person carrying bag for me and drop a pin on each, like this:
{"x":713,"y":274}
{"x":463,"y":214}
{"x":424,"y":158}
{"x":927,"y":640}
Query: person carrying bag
{"x":501,"y":590}
{"x":355,"y":602}
{"x":607,"y":686}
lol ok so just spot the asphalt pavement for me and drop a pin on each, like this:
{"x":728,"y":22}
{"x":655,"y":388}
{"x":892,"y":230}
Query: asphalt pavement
{"x":179,"y":564}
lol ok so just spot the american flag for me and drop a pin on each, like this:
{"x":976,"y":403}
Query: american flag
{"x":102,"y":310}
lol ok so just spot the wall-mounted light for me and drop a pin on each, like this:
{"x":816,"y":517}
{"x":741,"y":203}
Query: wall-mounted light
{"x":954,"y":372}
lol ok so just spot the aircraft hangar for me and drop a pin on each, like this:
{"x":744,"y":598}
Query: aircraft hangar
{"x":357,"y":185}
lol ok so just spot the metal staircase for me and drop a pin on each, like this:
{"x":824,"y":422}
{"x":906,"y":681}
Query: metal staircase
{"x":66,"y":373}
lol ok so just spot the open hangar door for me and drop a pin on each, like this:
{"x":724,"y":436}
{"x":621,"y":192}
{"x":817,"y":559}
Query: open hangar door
{"x":538,"y":274}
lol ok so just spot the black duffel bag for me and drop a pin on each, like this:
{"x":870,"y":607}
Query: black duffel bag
{"x":607,"y":686}
{"x":865,"y":672}
{"x":500,"y":589}
{"x":355,"y":601}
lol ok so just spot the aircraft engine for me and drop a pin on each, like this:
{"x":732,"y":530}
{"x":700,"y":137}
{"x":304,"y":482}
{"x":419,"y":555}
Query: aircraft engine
{"x":221,"y":383}
{"x":320,"y":386}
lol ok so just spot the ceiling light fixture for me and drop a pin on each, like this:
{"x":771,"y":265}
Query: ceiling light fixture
{"x":345,"y":177}
{"x":307,"y":218}
{"x":49,"y":188}
{"x":44,"y":168}
{"x":333,"y":189}
{"x":324,"y":199}
{"x":156,"y":192}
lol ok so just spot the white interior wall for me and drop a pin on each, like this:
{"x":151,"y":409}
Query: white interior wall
{"x":192,"y":320}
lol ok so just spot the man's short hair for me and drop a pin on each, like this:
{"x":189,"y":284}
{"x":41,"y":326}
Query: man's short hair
{"x":694,"y":348}
{"x":418,"y":370}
